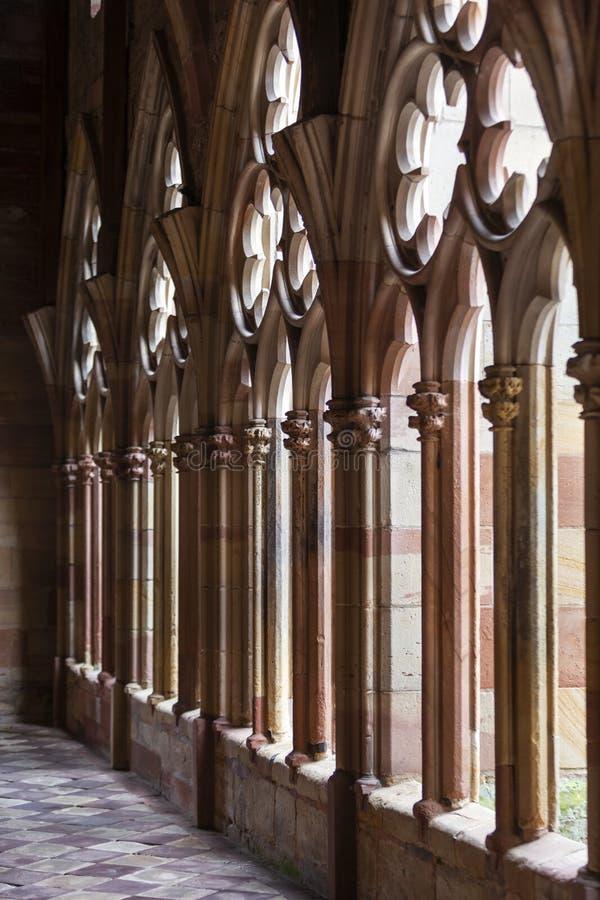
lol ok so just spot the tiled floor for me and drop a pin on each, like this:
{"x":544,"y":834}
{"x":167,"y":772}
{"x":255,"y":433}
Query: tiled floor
{"x":71,"y":827}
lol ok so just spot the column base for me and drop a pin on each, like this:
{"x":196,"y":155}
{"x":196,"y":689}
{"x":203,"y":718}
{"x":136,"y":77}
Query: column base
{"x":294,"y":760}
{"x":220,"y":724}
{"x":181,"y":707}
{"x":363,"y":787}
{"x":424,"y":812}
{"x":342,"y":832}
{"x":587,"y":885}
{"x":155,"y":699}
{"x":501,"y":842}
{"x":105,"y":679}
{"x":318,"y":751}
{"x":256,"y":740}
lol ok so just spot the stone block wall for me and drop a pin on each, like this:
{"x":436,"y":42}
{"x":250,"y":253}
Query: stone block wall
{"x":163,"y":750}
{"x":27,"y":509}
{"x":261,"y":807}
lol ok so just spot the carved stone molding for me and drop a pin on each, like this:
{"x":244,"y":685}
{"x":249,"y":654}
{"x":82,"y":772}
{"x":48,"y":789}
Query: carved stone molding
{"x":431,"y":407}
{"x":158,"y":453}
{"x":87,"y":467}
{"x":585,"y":367}
{"x":66,"y":472}
{"x":131,"y":464}
{"x":106,"y":466}
{"x":298,"y":427}
{"x":257,"y":442}
{"x":356,"y":426}
{"x":222,"y":446}
{"x":501,"y":387}
{"x":182,"y":448}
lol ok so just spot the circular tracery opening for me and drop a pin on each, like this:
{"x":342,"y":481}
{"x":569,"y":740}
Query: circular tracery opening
{"x":161,"y":320}
{"x":466,"y":17}
{"x":173,"y":198}
{"x":282,"y":81}
{"x":261,"y":235}
{"x":301,"y":265}
{"x":516,"y":143}
{"x":161,"y":298}
{"x":428,"y":154}
{"x":86,"y":350}
{"x":90,"y":259}
{"x":89,"y":345}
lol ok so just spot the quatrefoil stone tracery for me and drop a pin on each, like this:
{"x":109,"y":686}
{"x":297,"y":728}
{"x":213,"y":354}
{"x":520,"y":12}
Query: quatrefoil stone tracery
{"x":261,"y":235}
{"x":427,"y":155}
{"x":282,"y":81}
{"x":456,"y":21}
{"x":159,"y":312}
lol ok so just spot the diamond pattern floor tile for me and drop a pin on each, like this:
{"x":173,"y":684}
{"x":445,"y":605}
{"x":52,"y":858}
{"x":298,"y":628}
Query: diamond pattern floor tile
{"x":72,"y":828}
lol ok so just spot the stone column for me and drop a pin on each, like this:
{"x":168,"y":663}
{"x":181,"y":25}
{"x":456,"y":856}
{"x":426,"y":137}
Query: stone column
{"x":298,"y":429}
{"x":501,"y":387}
{"x":66,"y":476}
{"x":188,"y":671}
{"x":534,"y":603}
{"x":130,"y":471}
{"x":146,"y":573}
{"x":355,"y":434}
{"x":171,"y":579}
{"x":585,"y":367}
{"x":215,"y":611}
{"x":83,"y":606}
{"x":97,"y":571}
{"x":430,"y":404}
{"x":241,"y":598}
{"x":159,"y":454}
{"x":257,"y":444}
{"x":460,"y":612}
{"x":106,"y":465}
{"x":319,"y":507}
{"x":222,"y":456}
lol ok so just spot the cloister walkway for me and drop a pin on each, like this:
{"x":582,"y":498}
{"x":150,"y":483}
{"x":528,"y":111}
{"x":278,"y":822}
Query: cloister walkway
{"x":71,"y":827}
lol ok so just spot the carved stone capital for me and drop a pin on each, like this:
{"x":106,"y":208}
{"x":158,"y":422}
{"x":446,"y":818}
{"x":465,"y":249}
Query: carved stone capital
{"x":131,"y":464}
{"x":158,"y":454}
{"x":87,"y":467}
{"x":66,"y":472}
{"x":299,"y":429}
{"x":355,"y":426}
{"x":183,"y":447}
{"x":501,"y":387}
{"x":431,"y":407}
{"x":585,"y":367}
{"x":106,"y":466}
{"x":257,"y":442}
{"x":222,"y":446}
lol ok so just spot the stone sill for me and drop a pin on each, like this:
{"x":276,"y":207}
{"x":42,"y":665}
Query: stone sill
{"x":543,"y":868}
{"x":80,"y":670}
{"x":308,"y":781}
{"x":457,"y":839}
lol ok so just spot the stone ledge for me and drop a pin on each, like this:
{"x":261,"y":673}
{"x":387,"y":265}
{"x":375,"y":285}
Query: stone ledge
{"x":311,"y":778}
{"x":546,"y":867}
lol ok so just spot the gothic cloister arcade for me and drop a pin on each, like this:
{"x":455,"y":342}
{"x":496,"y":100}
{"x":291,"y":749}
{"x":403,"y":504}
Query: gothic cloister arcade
{"x":328,"y":513}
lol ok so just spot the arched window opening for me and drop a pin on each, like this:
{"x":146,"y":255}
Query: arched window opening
{"x":485,"y":562}
{"x":400,"y":637}
{"x":278,"y":506}
{"x":568,"y":450}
